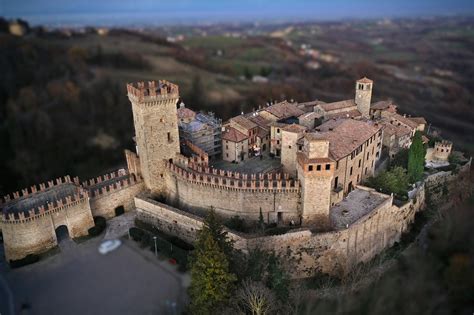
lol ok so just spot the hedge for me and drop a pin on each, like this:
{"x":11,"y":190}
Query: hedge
{"x":99,"y":226}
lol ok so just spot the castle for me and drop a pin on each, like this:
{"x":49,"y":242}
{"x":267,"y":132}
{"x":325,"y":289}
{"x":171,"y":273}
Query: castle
{"x":325,"y":149}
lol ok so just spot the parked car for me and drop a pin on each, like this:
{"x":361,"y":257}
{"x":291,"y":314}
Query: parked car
{"x":109,"y":246}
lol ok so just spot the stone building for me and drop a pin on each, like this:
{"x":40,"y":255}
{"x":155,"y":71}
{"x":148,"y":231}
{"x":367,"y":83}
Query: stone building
{"x":235,"y":145}
{"x":203,"y":130}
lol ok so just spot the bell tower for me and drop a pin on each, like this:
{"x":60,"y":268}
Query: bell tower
{"x":156,"y":128}
{"x":363,"y":96}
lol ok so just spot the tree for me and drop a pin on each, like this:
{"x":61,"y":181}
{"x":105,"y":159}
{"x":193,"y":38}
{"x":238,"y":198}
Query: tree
{"x":261,"y":223}
{"x":255,"y":298}
{"x":400,"y":159}
{"x":416,"y":158}
{"x":211,"y":281}
{"x":215,"y":227}
{"x":277,"y":279}
{"x":394,"y":181}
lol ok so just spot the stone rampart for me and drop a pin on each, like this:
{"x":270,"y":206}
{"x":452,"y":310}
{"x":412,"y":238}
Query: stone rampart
{"x":305,"y":252}
{"x":199,"y":188}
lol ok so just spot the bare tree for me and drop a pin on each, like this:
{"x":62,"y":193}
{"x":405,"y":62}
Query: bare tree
{"x":256,"y":298}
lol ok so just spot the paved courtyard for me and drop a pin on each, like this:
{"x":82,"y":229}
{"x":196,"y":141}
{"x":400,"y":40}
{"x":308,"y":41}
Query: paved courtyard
{"x":252,"y":165}
{"x":79,"y":280}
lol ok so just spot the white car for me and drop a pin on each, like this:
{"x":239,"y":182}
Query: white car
{"x":108,"y":246}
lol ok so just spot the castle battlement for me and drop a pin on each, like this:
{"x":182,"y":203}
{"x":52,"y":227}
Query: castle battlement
{"x":152,"y":91}
{"x":104,"y":178}
{"x":46,"y":209}
{"x":40,"y":188}
{"x":233,"y":180}
{"x":444,"y":144}
{"x":115,"y":186}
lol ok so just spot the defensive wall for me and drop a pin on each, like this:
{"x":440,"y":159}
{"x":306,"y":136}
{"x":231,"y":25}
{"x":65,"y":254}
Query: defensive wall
{"x":230,"y":193}
{"x":306,"y":252}
{"x":29,"y":219}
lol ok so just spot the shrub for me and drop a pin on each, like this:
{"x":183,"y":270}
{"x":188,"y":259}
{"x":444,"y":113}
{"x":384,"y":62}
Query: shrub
{"x":29,"y":259}
{"x":236,"y":223}
{"x":136,"y":234}
{"x":277,"y":230}
{"x":99,"y":226}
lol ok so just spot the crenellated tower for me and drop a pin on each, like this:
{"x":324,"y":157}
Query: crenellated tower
{"x":363,"y":96}
{"x":315,"y":172}
{"x":154,"y":106}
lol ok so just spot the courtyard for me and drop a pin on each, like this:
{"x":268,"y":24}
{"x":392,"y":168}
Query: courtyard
{"x":255,"y":164}
{"x":79,"y":280}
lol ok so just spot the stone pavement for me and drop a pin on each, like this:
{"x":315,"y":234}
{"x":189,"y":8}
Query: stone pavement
{"x":119,"y":226}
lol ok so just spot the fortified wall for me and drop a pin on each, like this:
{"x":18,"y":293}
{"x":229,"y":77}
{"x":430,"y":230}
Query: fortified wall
{"x":230,"y":193}
{"x":30,"y":219}
{"x":306,"y":252}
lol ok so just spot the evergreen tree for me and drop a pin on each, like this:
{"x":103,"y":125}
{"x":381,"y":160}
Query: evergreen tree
{"x":216,"y":229}
{"x":211,"y":281}
{"x":416,"y":158}
{"x":261,"y":223}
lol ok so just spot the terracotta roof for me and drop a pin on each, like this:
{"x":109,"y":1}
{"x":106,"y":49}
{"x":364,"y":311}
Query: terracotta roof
{"x":365,"y":80}
{"x":284,"y":110}
{"x":260,"y":121}
{"x":311,"y":115}
{"x":404,"y":120}
{"x":184,"y":112}
{"x":419,"y":120}
{"x":345,"y":135}
{"x":244,"y":122}
{"x":346,"y":114}
{"x":295,"y":128}
{"x":232,"y":134}
{"x":396,"y":130}
{"x":262,"y":133}
{"x":338,"y":105}
{"x":381,"y":105}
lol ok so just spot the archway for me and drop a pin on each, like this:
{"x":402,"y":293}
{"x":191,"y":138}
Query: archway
{"x":119,"y":210}
{"x":62,"y":233}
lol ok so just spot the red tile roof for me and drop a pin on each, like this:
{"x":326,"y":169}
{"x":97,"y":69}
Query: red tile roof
{"x":365,"y":80}
{"x":338,"y":105}
{"x":184,"y":112}
{"x":284,"y":110}
{"x":232,"y":134}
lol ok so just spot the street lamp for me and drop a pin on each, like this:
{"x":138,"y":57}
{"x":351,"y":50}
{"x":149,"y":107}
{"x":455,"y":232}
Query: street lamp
{"x":156,"y":250}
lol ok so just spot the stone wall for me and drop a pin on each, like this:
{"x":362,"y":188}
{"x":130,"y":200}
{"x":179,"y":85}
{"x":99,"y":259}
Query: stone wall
{"x":305,"y":252}
{"x":233,"y":194}
{"x":36,"y":234}
{"x":104,"y":203}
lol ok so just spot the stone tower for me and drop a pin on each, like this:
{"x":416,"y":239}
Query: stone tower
{"x":315,"y":172}
{"x":363,"y":96}
{"x":154,"y":107}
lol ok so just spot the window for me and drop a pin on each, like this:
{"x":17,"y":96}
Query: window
{"x":227,"y":154}
{"x":278,"y":130}
{"x":310,"y":168}
{"x":366,"y":171}
{"x":350,"y":171}
{"x":337,"y":165}
{"x":377,"y":155}
{"x":278,"y":141}
{"x":300,"y":147}
{"x":227,"y":147}
{"x":359,"y":162}
{"x":328,"y":167}
{"x":336,"y":182}
{"x":318,"y":167}
{"x":367,"y":155}
{"x":289,"y":147}
{"x":169,"y":136}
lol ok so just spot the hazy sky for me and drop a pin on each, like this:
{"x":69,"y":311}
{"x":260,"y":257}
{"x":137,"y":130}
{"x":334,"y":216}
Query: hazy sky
{"x":182,"y":11}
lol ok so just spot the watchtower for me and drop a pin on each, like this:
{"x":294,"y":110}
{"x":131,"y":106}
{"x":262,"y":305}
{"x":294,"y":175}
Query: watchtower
{"x":154,"y":107}
{"x":442,"y":150}
{"x":315,"y":172}
{"x":363,"y":96}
